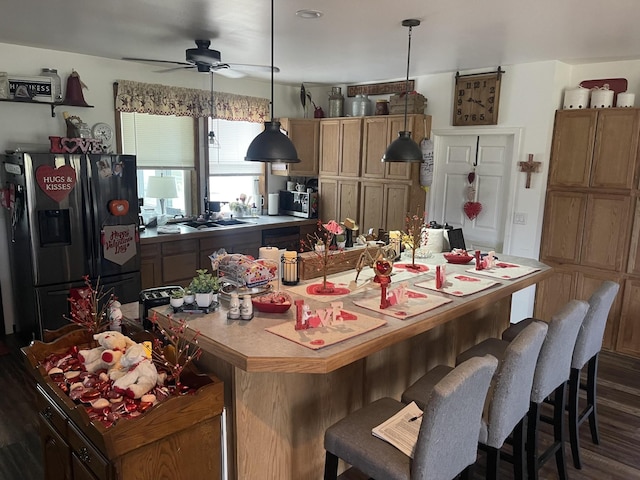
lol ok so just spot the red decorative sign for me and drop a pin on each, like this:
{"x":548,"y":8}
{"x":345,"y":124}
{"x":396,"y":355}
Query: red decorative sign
{"x":57,"y":183}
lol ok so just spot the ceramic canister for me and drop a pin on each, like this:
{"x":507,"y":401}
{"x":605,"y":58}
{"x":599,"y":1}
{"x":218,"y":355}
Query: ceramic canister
{"x":625,"y":99}
{"x":576,"y":98}
{"x":602,"y":98}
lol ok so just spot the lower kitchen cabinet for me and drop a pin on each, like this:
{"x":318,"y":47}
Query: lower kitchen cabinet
{"x":150,"y":265}
{"x":243,"y":241}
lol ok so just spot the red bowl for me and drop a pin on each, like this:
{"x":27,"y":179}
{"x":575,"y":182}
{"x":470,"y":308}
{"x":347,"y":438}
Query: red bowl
{"x":271,"y":307}
{"x":275,"y":302}
{"x":458,"y":259}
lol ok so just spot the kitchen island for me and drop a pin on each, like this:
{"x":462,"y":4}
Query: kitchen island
{"x":281,"y":396}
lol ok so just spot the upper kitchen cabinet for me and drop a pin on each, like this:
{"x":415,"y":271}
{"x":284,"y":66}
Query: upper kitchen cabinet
{"x":594,"y":148}
{"x":340,"y":146}
{"x":377,"y":133}
{"x":305,"y":136}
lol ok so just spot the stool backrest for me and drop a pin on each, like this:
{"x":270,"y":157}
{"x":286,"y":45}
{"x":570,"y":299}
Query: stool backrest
{"x":511,"y":389}
{"x":589,"y":341}
{"x":448,"y":438}
{"x":554,"y":361}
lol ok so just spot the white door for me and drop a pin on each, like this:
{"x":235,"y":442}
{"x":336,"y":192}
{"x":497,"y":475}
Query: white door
{"x":490,"y":157}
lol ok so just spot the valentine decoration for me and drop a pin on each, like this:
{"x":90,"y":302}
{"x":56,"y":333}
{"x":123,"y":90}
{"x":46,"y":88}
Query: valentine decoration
{"x":529,"y":167}
{"x":74,"y":144}
{"x":415,"y":236}
{"x":89,"y":306}
{"x":471,"y":208}
{"x":383,"y":268}
{"x":321,"y":242}
{"x":56,"y":183}
{"x":118,"y":243}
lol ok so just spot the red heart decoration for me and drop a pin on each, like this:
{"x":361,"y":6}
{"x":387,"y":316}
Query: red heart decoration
{"x":472,"y":209}
{"x":56,"y":183}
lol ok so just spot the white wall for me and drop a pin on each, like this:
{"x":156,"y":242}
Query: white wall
{"x":530,"y":94}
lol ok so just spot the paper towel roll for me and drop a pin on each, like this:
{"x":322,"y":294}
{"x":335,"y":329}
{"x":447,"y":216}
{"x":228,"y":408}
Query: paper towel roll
{"x":274,"y":199}
{"x":271,"y":253}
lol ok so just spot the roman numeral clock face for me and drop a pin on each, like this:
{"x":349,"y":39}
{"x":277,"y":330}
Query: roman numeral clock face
{"x":476,"y":99}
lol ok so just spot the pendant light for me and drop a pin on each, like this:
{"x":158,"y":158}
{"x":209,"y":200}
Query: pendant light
{"x":272,"y":145}
{"x":403,"y":148}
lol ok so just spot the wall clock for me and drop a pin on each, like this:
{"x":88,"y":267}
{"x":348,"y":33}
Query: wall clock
{"x":103,"y":132}
{"x":476,"y":98}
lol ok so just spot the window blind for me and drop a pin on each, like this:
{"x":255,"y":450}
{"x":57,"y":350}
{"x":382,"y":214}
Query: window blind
{"x":234,"y":138}
{"x":158,"y":141}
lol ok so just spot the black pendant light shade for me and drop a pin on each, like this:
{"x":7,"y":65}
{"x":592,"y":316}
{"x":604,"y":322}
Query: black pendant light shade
{"x":403,"y":148}
{"x":272,"y":145}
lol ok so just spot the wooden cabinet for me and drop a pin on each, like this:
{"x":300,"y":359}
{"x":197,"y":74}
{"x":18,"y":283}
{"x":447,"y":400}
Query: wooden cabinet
{"x":384,"y":192}
{"x":340,"y":146}
{"x":240,"y":241}
{"x":150,"y":265}
{"x":305,"y":136}
{"x":588,"y":143}
{"x":178,"y":438}
{"x":591,"y":227}
{"x":377,"y":133}
{"x":179,"y":262}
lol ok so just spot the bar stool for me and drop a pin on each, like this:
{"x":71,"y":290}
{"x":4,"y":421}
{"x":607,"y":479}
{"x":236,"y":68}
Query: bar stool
{"x":588,"y":346}
{"x":508,"y":399}
{"x":551,"y":376}
{"x":446,"y":442}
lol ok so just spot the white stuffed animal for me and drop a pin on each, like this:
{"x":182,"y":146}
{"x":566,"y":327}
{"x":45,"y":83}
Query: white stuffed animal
{"x":111,"y":347}
{"x":141,"y":376}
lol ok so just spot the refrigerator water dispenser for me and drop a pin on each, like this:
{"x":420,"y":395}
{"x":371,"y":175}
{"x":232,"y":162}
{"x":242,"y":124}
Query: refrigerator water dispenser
{"x":54,"y":227}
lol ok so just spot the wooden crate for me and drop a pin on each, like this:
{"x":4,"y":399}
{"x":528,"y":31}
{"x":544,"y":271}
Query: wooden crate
{"x":416,"y":103}
{"x":310,"y":263}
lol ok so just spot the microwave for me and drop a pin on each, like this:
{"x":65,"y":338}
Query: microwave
{"x":298,"y":204}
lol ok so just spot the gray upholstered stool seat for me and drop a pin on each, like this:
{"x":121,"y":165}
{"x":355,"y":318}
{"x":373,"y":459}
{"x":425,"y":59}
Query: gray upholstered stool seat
{"x":587,"y":348}
{"x":551,"y":376}
{"x":447,"y":440}
{"x":509,"y":396}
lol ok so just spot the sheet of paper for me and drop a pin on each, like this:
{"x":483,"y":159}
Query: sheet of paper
{"x":418,"y":302}
{"x":402,"y":429}
{"x":505,"y":270}
{"x":459,"y":285}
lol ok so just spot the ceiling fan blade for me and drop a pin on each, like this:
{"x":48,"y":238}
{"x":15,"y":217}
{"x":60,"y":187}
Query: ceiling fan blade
{"x":252,"y":68}
{"x":229,"y":73}
{"x":149,"y":60}
{"x":165,"y":70}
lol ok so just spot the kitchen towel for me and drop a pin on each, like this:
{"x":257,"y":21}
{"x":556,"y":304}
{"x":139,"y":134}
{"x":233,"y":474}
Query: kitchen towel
{"x":274,"y":199}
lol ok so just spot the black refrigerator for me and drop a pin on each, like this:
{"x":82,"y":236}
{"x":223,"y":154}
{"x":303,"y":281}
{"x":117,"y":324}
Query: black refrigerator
{"x":69,"y":216}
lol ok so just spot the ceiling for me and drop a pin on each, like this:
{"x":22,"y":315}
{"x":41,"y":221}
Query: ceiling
{"x":355,"y":41}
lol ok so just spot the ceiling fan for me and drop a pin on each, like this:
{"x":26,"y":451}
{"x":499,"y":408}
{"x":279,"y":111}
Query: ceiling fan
{"x":205,"y":60}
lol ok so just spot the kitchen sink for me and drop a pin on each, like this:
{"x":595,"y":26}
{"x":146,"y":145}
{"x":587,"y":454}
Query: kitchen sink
{"x":207,"y":224}
{"x":229,"y":221}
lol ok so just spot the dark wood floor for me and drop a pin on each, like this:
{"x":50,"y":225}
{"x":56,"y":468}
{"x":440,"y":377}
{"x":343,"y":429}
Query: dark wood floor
{"x":616,"y":458}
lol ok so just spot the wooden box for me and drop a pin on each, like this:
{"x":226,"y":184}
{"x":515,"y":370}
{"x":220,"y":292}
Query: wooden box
{"x":310,"y":263}
{"x":181,"y":434}
{"x":416,"y":103}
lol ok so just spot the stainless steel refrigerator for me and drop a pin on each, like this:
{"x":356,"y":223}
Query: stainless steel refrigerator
{"x":69,"y":216}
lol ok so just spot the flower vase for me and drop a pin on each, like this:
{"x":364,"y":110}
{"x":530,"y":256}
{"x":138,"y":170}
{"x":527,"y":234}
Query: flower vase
{"x":176,"y":302}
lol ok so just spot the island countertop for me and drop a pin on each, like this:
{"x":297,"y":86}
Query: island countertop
{"x":248,"y":346}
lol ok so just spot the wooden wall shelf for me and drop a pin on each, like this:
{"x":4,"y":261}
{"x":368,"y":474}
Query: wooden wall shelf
{"x":52,"y":104}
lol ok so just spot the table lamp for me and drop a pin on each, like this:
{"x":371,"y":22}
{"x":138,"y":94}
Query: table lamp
{"x":161,"y":188}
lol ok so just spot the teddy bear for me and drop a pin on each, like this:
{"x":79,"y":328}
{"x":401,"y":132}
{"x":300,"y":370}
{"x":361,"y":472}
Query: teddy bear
{"x":112,"y":345}
{"x":141,"y":374}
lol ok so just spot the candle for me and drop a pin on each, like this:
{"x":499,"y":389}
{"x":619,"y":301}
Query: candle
{"x":290,"y":267}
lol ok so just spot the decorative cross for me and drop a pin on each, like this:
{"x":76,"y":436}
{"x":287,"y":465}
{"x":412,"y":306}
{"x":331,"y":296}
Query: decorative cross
{"x":529,"y":167}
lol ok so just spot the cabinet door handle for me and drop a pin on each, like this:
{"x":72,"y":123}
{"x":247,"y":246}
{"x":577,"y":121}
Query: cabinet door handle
{"x":47,"y":413}
{"x":84,"y":455}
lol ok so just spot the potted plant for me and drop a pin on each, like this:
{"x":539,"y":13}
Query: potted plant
{"x":205,"y":287}
{"x":341,"y":241}
{"x":177,"y":298}
{"x":189,"y":297}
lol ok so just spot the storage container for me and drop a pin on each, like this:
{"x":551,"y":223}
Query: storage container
{"x":602,"y":97}
{"x":576,"y":98}
{"x":625,"y":99}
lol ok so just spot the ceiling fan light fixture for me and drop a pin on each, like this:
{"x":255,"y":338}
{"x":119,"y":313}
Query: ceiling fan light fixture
{"x":272,"y":146}
{"x":403,"y":148}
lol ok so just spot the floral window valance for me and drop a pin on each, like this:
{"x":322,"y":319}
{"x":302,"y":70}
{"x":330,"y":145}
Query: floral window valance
{"x":159,"y":99}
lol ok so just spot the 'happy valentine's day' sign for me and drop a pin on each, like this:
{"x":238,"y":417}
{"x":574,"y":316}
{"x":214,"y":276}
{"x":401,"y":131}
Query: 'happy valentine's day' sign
{"x":57,"y":183}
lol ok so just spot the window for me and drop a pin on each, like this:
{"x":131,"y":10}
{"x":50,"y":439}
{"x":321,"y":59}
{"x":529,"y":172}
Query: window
{"x":229,"y":174}
{"x":164,"y":145}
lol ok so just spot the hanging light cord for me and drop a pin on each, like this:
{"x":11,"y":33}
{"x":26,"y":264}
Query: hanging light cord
{"x":406,"y":85}
{"x":272,"y":60}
